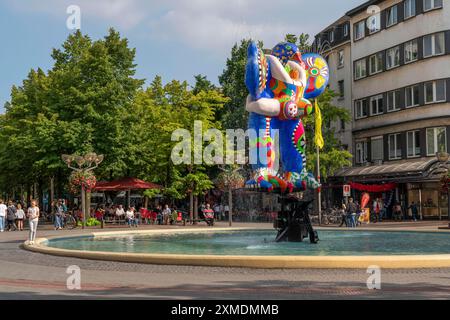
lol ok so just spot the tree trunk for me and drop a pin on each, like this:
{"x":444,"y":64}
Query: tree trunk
{"x":87,"y":196}
{"x":52,"y":192}
{"x":195,"y":209}
{"x":146,"y":202}
{"x":191,"y":206}
{"x":230,"y":206}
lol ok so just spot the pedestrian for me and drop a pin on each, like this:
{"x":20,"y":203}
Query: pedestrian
{"x":166,"y":214}
{"x":382,"y":209}
{"x":376,"y":210}
{"x":226,"y":210}
{"x":343,"y":215}
{"x":352,"y":209}
{"x":3,"y":210}
{"x":414,"y":211}
{"x":11,"y":217}
{"x":208,"y":215}
{"x":159,"y":215}
{"x":120,"y":213}
{"x":397,"y":210}
{"x":20,"y":216}
{"x":216,"y":209}
{"x":129,"y":215}
{"x":59,"y":214}
{"x":33,"y":219}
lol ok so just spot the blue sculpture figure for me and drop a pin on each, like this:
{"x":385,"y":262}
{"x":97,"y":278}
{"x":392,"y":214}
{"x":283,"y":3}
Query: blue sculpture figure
{"x":280,"y":84}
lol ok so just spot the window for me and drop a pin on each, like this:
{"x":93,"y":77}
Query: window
{"x":433,"y":45}
{"x":431,"y":4}
{"x":373,"y":23}
{"x":435,"y":91}
{"x":341,"y":88}
{"x":359,"y":30}
{"x":361,"y":152}
{"x":393,"y":100}
{"x":331,"y":36}
{"x":411,"y":51}
{"x":436,"y":140}
{"x":345,"y":30}
{"x":391,"y":16}
{"x":410,"y":8}
{"x":395,"y":150}
{"x":376,"y":105}
{"x":413,"y":143}
{"x":360,"y":69}
{"x":393,"y":57}
{"x":376,"y":63}
{"x":360,"y":109}
{"x":376,"y":148}
{"x":342,"y":124}
{"x":340,"y":58}
{"x":412,"y":96}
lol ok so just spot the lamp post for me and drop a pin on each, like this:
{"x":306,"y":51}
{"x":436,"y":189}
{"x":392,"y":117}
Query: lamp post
{"x":85,"y":163}
{"x":443,"y":158}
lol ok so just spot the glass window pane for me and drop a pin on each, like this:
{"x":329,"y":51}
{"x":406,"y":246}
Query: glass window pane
{"x":416,"y":95}
{"x":430,"y":142}
{"x":391,"y":146}
{"x":408,"y":94}
{"x":441,"y":139}
{"x":437,"y":3}
{"x":428,"y":4}
{"x":427,"y":46}
{"x":398,"y":150}
{"x":429,"y":96}
{"x":417,"y":143}
{"x":410,"y":143}
{"x":377,"y":149}
{"x":440,"y":90}
{"x":439,"y":43}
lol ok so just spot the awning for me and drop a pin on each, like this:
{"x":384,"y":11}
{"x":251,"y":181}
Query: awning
{"x":419,"y":169}
{"x":125,"y":184}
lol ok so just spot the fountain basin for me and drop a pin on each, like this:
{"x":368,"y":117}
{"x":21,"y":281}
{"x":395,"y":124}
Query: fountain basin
{"x":239,"y":247}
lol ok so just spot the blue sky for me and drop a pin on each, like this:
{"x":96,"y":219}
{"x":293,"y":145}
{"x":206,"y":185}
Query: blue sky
{"x":174,"y":38}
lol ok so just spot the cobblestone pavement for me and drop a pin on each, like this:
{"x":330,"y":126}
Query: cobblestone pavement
{"x":28,"y":275}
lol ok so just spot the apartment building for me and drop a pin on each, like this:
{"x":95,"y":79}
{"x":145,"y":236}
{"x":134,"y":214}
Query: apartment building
{"x":400,"y":100}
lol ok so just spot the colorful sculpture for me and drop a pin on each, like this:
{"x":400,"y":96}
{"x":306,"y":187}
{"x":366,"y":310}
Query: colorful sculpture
{"x":280,"y":85}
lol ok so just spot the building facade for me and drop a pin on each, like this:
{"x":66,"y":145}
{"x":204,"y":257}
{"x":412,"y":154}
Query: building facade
{"x":400,"y":100}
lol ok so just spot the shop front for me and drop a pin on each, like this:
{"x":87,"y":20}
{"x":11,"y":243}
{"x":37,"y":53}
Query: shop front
{"x":405,"y":183}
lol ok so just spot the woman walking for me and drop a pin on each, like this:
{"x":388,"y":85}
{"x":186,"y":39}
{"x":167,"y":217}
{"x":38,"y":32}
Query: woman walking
{"x":20,"y":216}
{"x":33,"y":219}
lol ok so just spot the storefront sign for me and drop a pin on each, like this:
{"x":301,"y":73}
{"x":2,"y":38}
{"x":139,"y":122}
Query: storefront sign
{"x":347,"y":190}
{"x":413,"y":186}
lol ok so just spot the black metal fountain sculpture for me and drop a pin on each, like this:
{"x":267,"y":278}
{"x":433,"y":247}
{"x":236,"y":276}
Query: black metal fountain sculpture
{"x":293,"y":223}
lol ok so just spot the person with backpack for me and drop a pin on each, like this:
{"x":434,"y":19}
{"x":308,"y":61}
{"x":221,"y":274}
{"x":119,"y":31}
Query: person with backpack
{"x":11,"y":217}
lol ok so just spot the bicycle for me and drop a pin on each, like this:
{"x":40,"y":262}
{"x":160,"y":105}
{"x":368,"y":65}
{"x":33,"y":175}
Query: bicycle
{"x":69,"y":221}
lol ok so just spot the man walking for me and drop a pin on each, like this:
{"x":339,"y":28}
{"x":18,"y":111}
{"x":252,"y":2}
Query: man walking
{"x":352,"y":209}
{"x":414,"y":210}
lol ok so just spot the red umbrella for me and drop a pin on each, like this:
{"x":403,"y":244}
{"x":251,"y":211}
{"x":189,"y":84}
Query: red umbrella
{"x":125,"y":184}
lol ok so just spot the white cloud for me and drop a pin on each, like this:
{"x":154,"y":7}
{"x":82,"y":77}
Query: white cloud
{"x":122,"y":13}
{"x":210,"y":25}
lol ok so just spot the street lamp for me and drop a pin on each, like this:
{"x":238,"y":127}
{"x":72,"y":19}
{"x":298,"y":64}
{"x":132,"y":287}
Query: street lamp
{"x":85,"y":163}
{"x":443,"y":158}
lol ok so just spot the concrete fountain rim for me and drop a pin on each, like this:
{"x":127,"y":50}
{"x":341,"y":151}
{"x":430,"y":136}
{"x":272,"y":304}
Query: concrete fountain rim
{"x":260,"y":262}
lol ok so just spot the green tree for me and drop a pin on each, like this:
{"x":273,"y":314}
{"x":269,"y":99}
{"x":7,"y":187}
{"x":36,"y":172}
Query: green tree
{"x":80,"y":105}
